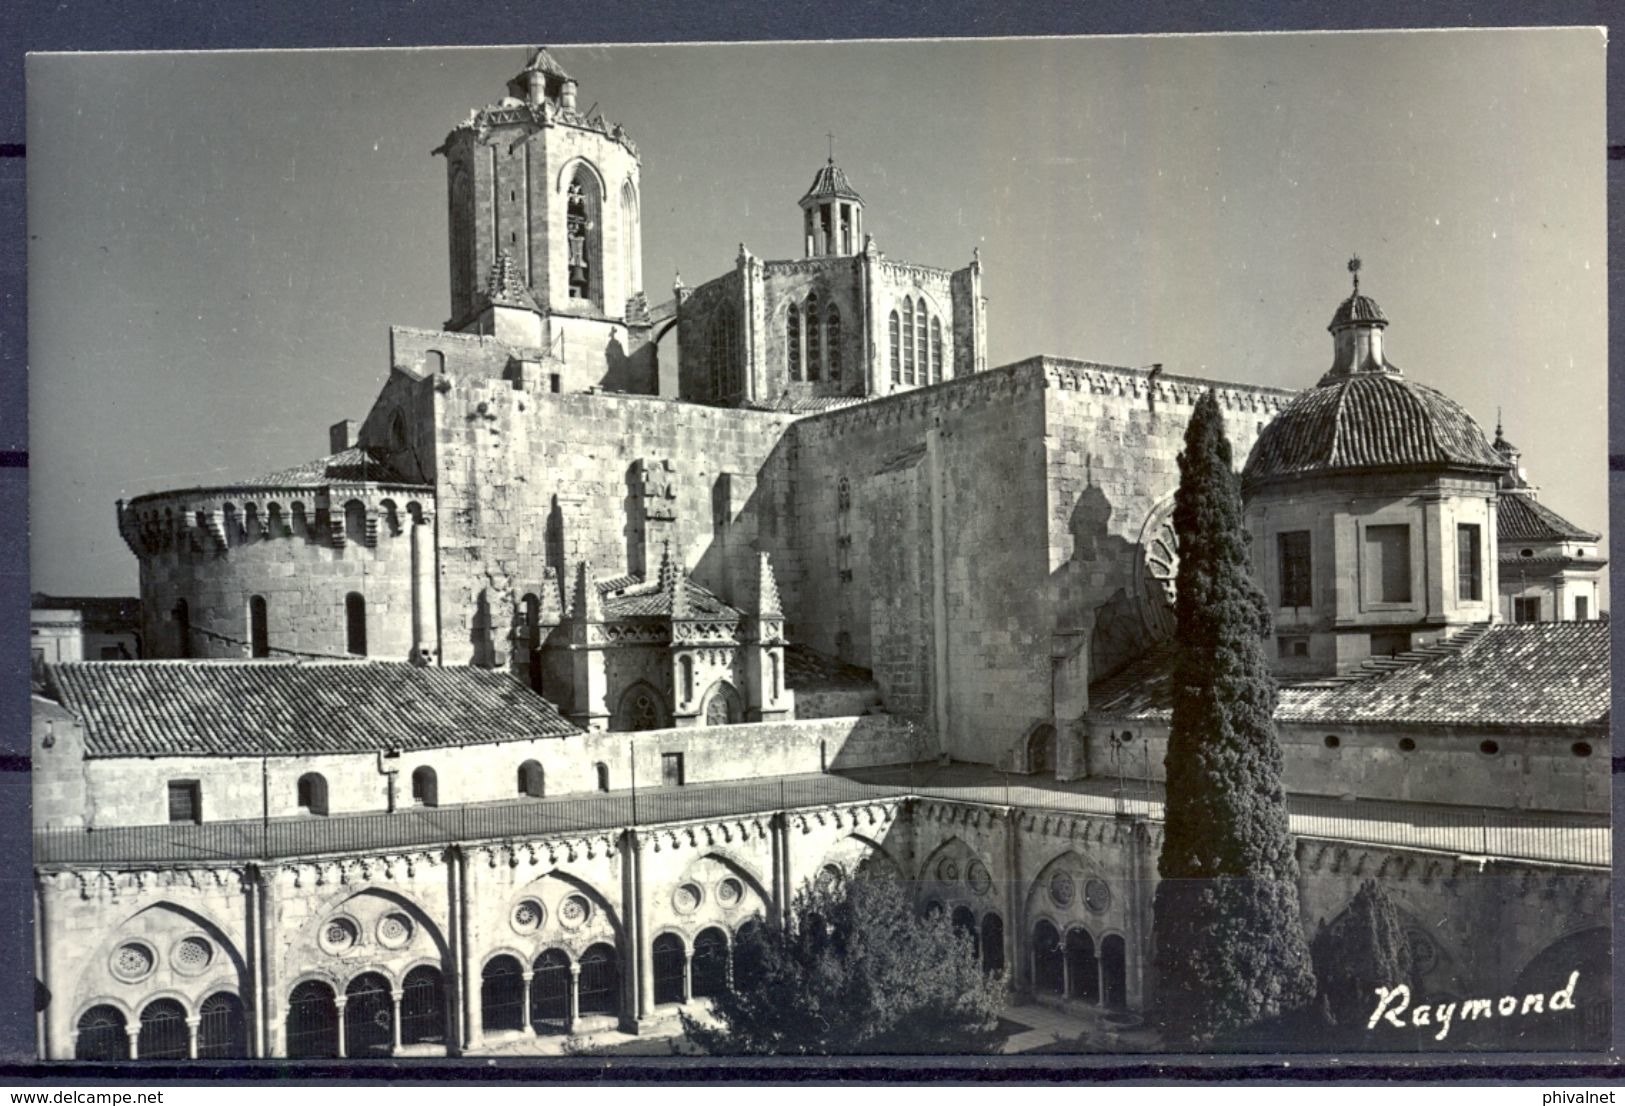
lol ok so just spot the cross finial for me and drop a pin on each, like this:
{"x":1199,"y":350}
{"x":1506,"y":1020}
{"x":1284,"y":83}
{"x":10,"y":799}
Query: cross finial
{"x":1498,"y":422}
{"x":1354,"y":267}
{"x":831,"y":136}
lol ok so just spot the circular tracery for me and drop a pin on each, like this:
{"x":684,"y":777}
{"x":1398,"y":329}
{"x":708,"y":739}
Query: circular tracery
{"x":192,"y":955}
{"x":1156,"y":571}
{"x":133,"y":961}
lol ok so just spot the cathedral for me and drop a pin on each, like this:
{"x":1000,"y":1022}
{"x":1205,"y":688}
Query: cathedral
{"x":501,"y":719}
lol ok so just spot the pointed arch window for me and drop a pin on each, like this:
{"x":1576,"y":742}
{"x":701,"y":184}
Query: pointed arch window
{"x":908,"y":340}
{"x":259,"y":634}
{"x":896,"y":351}
{"x":815,"y":347}
{"x":576,"y":225}
{"x":629,"y":238}
{"x":832,"y":343}
{"x":920,"y":342}
{"x":792,"y":341}
{"x":936,"y":351}
{"x":724,"y":364}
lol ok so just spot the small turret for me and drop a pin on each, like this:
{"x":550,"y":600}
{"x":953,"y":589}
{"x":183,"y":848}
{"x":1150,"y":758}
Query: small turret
{"x":832,"y":213}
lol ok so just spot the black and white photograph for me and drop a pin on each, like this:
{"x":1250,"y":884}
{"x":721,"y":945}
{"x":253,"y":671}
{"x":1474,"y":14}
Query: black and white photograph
{"x":1003,"y":547}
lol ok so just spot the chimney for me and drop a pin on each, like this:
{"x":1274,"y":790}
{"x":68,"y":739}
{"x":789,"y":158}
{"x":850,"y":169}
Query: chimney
{"x":341,"y":436}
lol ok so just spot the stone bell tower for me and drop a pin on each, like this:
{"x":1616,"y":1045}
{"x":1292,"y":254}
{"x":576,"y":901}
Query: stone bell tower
{"x":552,"y":188}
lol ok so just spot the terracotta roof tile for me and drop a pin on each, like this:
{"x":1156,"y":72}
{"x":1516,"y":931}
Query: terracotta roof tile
{"x":249,"y":708}
{"x":639,"y":599}
{"x":1521,"y":517}
{"x":351,"y":466}
{"x":830,"y":183}
{"x":807,"y":669}
{"x":1522,"y":674}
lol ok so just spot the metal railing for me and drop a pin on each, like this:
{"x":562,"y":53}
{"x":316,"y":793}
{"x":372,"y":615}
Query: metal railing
{"x":1466,"y":831}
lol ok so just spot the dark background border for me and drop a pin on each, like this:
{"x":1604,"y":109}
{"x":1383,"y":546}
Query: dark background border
{"x":41,"y":25}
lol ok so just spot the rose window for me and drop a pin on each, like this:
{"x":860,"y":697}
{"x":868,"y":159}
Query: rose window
{"x":1060,"y":889}
{"x":1156,"y":570}
{"x":394,"y":930}
{"x":574,"y":912}
{"x":528,"y":916}
{"x":948,"y":870}
{"x":1097,"y":896}
{"x":976,"y":875}
{"x":340,"y":934}
{"x":686,"y":899}
{"x":133,"y":962}
{"x":729,"y":892}
{"x":193,"y":955}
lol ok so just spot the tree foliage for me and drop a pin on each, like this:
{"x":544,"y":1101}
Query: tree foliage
{"x":1364,"y":948}
{"x":1230,"y":950}
{"x":857,"y":971}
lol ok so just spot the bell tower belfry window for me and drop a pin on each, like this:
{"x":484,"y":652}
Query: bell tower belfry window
{"x":832,"y":213}
{"x":576,"y":224}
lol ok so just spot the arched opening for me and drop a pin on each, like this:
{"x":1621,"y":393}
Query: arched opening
{"x":434,"y":363}
{"x":601,"y":771}
{"x":640,"y":710}
{"x":313,"y":1022}
{"x":1114,"y":970}
{"x":722,"y":705}
{"x":685,"y":670}
{"x":1049,"y":969}
{"x":163,"y":1032}
{"x":896,"y":350}
{"x":710,"y":969}
{"x":583,"y":233}
{"x":919,"y":342}
{"x":1082,"y":969}
{"x":936,"y":351}
{"x":1585,"y":1026}
{"x":222,"y":1031}
{"x":259,"y":633}
{"x":369,"y":1017}
{"x":423,"y":1006}
{"x":102,"y":1035}
{"x":964,"y":922}
{"x":792,"y":341}
{"x":425,"y":786}
{"x":600,"y":984}
{"x":815,"y":340}
{"x":182,"y":615}
{"x":631,"y":252}
{"x":908,"y":340}
{"x":355,"y":624}
{"x":724,"y":364}
{"x":502,"y":995}
{"x":1041,"y":749}
{"x":550,"y":992}
{"x":670,"y":969}
{"x":832,"y":343}
{"x":355,"y":522}
{"x":312,"y":793}
{"x":531,"y":780}
{"x":992,"y":943}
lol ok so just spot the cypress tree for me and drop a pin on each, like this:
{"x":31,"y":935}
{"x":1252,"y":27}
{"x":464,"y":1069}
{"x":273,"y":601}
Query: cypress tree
{"x":1230,"y":950}
{"x":1365,"y":947}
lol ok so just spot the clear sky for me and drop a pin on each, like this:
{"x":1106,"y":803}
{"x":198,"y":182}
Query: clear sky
{"x":219,"y":242}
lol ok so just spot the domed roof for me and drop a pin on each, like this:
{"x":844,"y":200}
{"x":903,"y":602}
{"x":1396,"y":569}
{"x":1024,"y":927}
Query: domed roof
{"x":1368,"y":421}
{"x":1356,"y":310}
{"x":830,"y":183}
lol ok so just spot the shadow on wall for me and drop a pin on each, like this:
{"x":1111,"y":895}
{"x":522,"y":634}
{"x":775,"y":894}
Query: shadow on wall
{"x":1099,"y":581}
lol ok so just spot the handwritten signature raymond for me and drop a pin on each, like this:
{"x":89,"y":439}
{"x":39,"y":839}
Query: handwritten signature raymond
{"x":1392,"y":1002}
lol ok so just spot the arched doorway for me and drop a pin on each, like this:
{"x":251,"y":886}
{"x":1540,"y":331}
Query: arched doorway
{"x":369,"y":1017}
{"x":964,"y":923}
{"x":163,"y":1032}
{"x":532,"y":782}
{"x":710,"y":969}
{"x":1049,"y":968}
{"x":640,"y":709}
{"x":102,"y":1035}
{"x":1114,"y":970}
{"x":1083,"y":969}
{"x":423,"y":1006}
{"x":722,"y":705}
{"x":313,"y":1022}
{"x":1041,"y":750}
{"x":425,"y":786}
{"x":992,"y":943}
{"x":670,"y":969}
{"x":222,"y":1031}
{"x":502,"y":995}
{"x":550,"y":992}
{"x":600,"y":985}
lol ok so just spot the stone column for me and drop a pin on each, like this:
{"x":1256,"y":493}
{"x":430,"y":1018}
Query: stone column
{"x":527,"y":976}
{"x":340,"y":1003}
{"x":192,"y":1024}
{"x":133,"y":1032}
{"x":266,"y":955}
{"x":688,"y":977}
{"x":423,"y":590}
{"x":474,"y":1032}
{"x":395,"y":1022}
{"x":1015,"y":931}
{"x":573,"y":1011}
{"x":645,"y":964}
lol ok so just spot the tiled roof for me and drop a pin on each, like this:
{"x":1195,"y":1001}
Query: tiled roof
{"x":1522,"y":517}
{"x":351,"y":466}
{"x":801,"y":405}
{"x":1356,"y":310}
{"x":1524,"y":674}
{"x":1366,"y":421}
{"x":1550,"y":560}
{"x":830,"y":183}
{"x":807,"y":669}
{"x":642,"y":600}
{"x":250,"y":708}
